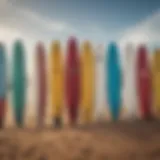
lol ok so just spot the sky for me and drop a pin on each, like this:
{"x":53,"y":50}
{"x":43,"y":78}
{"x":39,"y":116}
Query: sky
{"x":100,"y":21}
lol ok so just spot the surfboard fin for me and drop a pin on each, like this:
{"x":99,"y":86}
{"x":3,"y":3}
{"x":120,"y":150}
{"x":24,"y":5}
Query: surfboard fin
{"x":19,"y":124}
{"x":19,"y":121}
{"x":73,"y":116}
{"x":57,"y":121}
{"x":1,"y":123}
{"x":88,"y":115}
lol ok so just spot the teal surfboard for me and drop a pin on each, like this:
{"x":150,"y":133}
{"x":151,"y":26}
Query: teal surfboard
{"x":2,"y":83}
{"x":113,"y":80}
{"x":19,"y":84}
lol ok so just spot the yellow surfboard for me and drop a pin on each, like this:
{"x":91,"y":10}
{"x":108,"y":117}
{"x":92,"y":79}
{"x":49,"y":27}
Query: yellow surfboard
{"x":56,"y":82}
{"x":156,"y":81}
{"x":87,"y":82}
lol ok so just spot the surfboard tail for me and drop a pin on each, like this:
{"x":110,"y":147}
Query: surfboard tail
{"x":2,"y":111}
{"x":19,"y":121}
{"x":146,"y":113}
{"x":1,"y":123}
{"x":41,"y":115}
{"x":87,"y":114}
{"x":57,"y":122}
{"x":57,"y":116}
{"x":40,"y":121}
{"x":73,"y":114}
{"x":19,"y":116}
{"x":115,"y":112}
{"x":145,"y":105}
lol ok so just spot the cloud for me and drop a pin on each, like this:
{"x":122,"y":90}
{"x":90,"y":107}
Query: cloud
{"x":31,"y":24}
{"x":47,"y":24}
{"x":7,"y":34}
{"x":148,"y":32}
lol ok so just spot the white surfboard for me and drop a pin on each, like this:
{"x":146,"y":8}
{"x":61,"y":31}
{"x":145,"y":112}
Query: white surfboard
{"x":99,"y":83}
{"x":130,"y":100}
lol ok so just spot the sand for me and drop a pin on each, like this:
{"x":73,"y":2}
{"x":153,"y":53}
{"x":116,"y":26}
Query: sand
{"x":106,"y":141}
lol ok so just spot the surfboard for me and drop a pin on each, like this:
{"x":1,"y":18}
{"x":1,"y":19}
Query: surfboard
{"x":100,"y":108}
{"x":130,"y":82}
{"x":57,"y":82}
{"x":156,"y":81}
{"x":87,"y":82}
{"x":113,"y":76}
{"x":41,"y":82}
{"x":19,"y":83}
{"x":72,"y":80}
{"x":2,"y":84}
{"x":144,"y":83}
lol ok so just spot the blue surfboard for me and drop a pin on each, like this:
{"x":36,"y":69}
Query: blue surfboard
{"x":19,"y":82}
{"x":113,"y":79}
{"x":2,"y":83}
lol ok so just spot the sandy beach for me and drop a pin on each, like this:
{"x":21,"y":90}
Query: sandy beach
{"x":105,"y":141}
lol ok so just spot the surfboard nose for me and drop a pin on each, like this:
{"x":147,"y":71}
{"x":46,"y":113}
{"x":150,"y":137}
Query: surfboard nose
{"x":142,"y":51}
{"x":1,"y":47}
{"x":40,"y":47}
{"x":55,"y":46}
{"x":157,"y":58}
{"x":72,"y":39}
{"x":157,"y":54}
{"x":2,"y":51}
{"x":18,"y":47}
{"x":18,"y":44}
{"x":112,"y":48}
{"x":129,"y":51}
{"x":86,"y":46}
{"x":72,"y":45}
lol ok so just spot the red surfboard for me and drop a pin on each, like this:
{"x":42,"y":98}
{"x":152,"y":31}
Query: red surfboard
{"x":41,"y":82}
{"x":144,"y":83}
{"x":72,"y":80}
{"x":2,"y":84}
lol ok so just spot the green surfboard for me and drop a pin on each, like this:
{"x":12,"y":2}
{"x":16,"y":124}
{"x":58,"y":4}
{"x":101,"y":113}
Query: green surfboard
{"x":19,"y":82}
